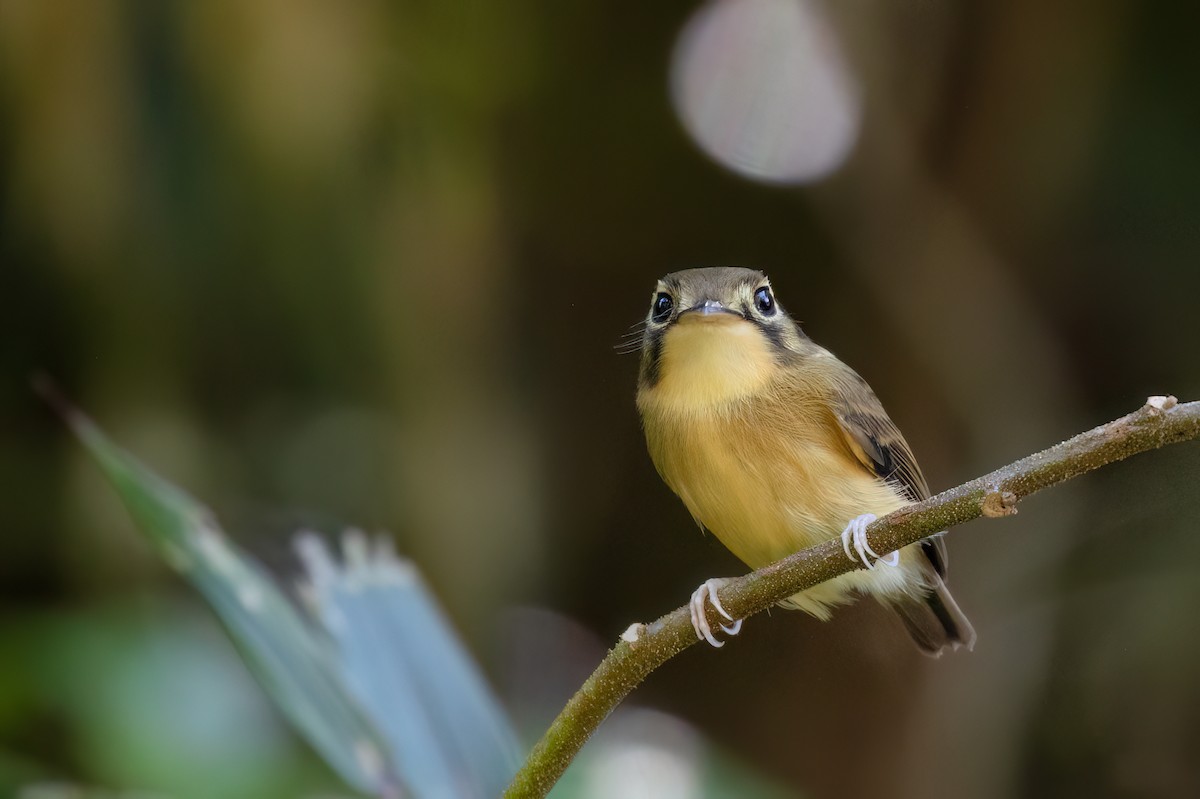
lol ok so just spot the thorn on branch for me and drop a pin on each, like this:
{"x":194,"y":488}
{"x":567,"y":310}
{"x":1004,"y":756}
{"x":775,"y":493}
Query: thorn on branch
{"x":633,"y":632}
{"x":997,"y":503}
{"x":1161,"y":403}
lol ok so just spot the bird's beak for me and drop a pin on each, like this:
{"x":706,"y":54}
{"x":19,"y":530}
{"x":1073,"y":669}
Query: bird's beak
{"x":710,"y":308}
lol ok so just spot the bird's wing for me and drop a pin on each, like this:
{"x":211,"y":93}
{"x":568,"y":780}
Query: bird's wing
{"x":878,"y":444}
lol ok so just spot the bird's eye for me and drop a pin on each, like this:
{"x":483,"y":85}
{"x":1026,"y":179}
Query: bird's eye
{"x":661,"y":309}
{"x":764,"y":302}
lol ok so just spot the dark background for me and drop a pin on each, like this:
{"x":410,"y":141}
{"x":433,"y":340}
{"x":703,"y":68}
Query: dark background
{"x":336,"y":264}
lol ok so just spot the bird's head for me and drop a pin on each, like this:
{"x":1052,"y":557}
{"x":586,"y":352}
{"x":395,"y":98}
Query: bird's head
{"x":712,"y":335}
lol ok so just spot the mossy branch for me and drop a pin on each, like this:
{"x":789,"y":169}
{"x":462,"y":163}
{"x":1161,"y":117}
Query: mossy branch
{"x":645,"y":647}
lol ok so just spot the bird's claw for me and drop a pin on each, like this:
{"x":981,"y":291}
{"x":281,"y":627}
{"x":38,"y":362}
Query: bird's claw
{"x":707,"y":592}
{"x":855,"y":535}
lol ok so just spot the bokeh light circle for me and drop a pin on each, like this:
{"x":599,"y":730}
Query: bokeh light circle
{"x":763,"y":88}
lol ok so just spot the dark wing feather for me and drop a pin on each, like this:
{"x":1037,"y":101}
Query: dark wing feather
{"x":879,"y":445}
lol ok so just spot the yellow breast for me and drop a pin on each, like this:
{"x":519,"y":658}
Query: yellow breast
{"x":755,"y":453}
{"x":765,"y":485}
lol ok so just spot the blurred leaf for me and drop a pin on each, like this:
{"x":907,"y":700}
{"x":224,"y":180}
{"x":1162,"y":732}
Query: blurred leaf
{"x":402,"y":660}
{"x":379,"y":685}
{"x":298,"y":668}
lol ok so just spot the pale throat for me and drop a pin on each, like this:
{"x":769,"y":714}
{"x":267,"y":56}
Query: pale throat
{"x":712,"y":362}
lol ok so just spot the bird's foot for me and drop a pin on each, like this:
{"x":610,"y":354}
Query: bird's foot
{"x":707,"y":592}
{"x":855,"y":535}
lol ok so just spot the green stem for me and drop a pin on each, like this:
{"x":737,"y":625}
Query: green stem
{"x":644,"y":648}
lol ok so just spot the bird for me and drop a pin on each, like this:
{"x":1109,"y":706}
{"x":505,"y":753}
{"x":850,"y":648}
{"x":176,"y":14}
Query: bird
{"x":775,"y":445}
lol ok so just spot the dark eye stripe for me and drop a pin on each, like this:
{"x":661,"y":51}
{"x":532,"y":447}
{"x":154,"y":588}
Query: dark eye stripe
{"x":652,"y":357}
{"x":773,"y":333}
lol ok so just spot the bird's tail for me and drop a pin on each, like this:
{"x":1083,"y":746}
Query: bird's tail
{"x":935,"y":621}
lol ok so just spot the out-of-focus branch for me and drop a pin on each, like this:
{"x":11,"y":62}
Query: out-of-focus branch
{"x":645,"y":647}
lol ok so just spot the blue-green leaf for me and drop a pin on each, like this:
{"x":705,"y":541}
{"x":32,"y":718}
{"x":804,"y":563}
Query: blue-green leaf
{"x":373,"y":676}
{"x":409,"y":671}
{"x":300,"y":669}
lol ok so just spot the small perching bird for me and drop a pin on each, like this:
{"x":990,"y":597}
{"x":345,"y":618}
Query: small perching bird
{"x":775,"y":445}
